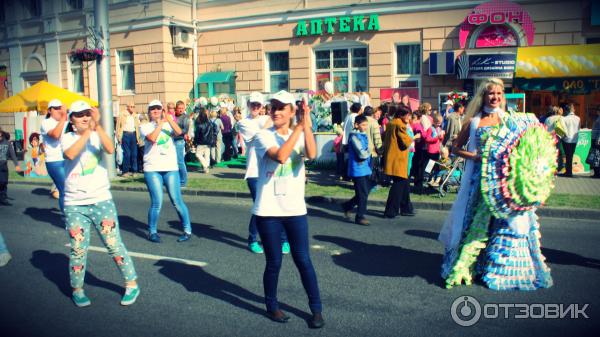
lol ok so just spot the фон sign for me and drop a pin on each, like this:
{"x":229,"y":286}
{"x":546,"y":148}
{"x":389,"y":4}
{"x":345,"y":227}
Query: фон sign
{"x":332,"y":25}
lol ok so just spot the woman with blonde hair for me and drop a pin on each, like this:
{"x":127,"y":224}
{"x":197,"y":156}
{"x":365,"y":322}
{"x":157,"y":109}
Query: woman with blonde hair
{"x":502,"y":251}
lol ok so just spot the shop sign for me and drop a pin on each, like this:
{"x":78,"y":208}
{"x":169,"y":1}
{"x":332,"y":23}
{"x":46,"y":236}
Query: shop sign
{"x":332,"y":25}
{"x":486,"y":65}
{"x":571,"y":85}
{"x":497,"y":13}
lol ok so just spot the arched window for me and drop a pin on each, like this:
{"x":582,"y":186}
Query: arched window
{"x":344,"y":63}
{"x":504,"y":35}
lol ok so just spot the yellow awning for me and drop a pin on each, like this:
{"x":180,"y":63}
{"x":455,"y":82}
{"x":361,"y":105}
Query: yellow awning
{"x":37,"y":97}
{"x":558,"y":61}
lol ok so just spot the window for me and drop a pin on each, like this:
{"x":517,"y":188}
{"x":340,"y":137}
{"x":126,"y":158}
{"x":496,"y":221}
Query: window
{"x":33,"y":8}
{"x":76,"y":79}
{"x":125,"y":73}
{"x":72,"y":5}
{"x":345,"y":67}
{"x":408,"y":59}
{"x":279,"y":67}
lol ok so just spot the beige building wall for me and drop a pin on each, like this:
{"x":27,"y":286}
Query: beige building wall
{"x":243,"y":49}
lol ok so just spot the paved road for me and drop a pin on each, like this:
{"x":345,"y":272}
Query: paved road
{"x":375,"y":281}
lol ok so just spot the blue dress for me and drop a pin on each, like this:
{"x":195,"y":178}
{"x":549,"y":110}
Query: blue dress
{"x":492,"y":248}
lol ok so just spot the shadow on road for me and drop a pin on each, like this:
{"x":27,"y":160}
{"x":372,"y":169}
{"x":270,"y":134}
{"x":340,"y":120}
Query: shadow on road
{"x":393,"y":261}
{"x":422,"y":234}
{"x":209,"y":232}
{"x":55,"y":267}
{"x":51,"y":215}
{"x":556,"y":256}
{"x":196,"y":279}
{"x":139,"y":228}
{"x":41,"y":191}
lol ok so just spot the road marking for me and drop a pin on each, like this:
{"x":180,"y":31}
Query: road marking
{"x":151,"y":257}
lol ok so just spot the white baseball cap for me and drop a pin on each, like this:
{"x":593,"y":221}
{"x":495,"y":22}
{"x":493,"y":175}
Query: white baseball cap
{"x":78,"y":106}
{"x":256,"y":97}
{"x":448,"y":102}
{"x":155,"y":103}
{"x":284,"y":97}
{"x":55,"y":103}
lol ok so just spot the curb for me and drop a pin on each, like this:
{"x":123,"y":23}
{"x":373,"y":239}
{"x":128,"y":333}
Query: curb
{"x":551,"y":212}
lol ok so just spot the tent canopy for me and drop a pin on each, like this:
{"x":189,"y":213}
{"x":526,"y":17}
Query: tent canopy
{"x":37,"y":97}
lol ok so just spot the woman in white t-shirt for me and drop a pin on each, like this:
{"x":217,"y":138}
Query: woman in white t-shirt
{"x":249,"y":128}
{"x":52,"y":129}
{"x":280,"y":204}
{"x":160,"y":168}
{"x":88,"y":201}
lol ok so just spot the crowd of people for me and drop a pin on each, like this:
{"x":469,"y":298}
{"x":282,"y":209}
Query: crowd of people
{"x":385,"y":145}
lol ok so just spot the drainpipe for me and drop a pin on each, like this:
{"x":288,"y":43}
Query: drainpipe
{"x":195,"y":50}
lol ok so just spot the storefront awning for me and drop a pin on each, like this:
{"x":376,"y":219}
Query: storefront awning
{"x":215,"y":77}
{"x":558,"y":61}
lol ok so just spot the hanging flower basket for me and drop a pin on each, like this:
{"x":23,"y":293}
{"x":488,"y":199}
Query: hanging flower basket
{"x":86,"y":54}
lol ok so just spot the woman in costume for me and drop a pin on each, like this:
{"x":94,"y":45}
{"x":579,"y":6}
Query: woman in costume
{"x":502,"y":249}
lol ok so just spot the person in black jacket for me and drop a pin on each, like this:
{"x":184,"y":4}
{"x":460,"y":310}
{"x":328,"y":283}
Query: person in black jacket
{"x":203,"y":138}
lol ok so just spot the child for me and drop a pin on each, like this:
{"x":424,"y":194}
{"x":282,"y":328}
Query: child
{"x":441,"y":168}
{"x":339,"y":153}
{"x":88,"y":201}
{"x":6,"y":150}
{"x":359,"y":169}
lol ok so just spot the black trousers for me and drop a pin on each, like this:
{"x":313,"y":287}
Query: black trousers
{"x":418,"y":168}
{"x":398,"y":198}
{"x":228,"y":142}
{"x":569,"y":152}
{"x":362,"y":186}
{"x":3,"y":179}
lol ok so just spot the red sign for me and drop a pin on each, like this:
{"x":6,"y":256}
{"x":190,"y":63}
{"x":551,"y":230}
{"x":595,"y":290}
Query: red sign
{"x":497,"y":13}
{"x":496,"y":18}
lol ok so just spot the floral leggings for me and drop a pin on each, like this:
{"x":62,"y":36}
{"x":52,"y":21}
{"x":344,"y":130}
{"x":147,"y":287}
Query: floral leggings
{"x":103,"y":216}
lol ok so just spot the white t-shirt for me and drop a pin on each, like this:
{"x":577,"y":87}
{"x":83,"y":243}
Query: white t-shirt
{"x":160,"y":156}
{"x":129,"y":124}
{"x":248,"y":129}
{"x":280,"y":187}
{"x":87,"y":178}
{"x":51,"y":145}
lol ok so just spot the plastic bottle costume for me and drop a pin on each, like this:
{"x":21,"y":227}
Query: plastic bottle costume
{"x":492,"y":229}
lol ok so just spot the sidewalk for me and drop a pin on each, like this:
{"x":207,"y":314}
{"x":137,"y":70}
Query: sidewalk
{"x":579,"y":185}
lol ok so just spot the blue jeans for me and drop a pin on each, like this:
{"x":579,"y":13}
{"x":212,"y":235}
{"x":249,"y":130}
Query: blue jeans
{"x":56,"y":170}
{"x":155,"y":182}
{"x":3,"y":248}
{"x":296,"y":227}
{"x":130,"y":148}
{"x":253,"y":232}
{"x":180,"y":148}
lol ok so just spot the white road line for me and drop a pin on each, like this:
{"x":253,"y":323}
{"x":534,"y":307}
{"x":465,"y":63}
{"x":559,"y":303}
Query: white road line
{"x":151,"y":257}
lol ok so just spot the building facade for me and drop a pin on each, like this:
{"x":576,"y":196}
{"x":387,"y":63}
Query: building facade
{"x":168,"y":50}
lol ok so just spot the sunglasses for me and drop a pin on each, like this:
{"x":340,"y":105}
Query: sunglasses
{"x":155,"y":107}
{"x":255,"y":105}
{"x":83,"y":113}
